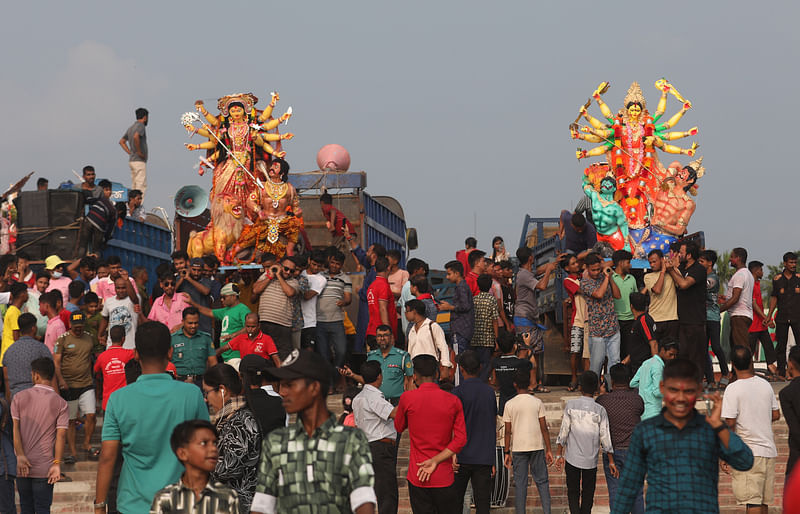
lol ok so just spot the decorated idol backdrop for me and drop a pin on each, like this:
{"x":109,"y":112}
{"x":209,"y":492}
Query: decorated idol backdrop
{"x":637,"y":202}
{"x":253,"y":207}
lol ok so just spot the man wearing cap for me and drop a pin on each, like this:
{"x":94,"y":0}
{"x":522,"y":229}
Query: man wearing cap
{"x":262,"y":399}
{"x":58,"y":279}
{"x":231,"y":315}
{"x":73,"y":360}
{"x":192,"y":349}
{"x":168,"y":308}
{"x":198,"y":287}
{"x":314,"y":463}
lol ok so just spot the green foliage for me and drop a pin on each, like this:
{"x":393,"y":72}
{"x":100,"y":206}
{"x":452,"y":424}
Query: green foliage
{"x":724,"y":269}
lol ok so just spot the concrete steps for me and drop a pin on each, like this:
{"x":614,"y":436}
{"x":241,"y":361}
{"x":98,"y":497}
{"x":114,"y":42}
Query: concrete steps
{"x":77,"y":496}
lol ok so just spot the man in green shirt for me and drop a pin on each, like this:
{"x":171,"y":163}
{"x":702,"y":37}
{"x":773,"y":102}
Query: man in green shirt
{"x":315,"y":464}
{"x":232,"y":315}
{"x":139,"y":420}
{"x":622,"y":305}
{"x":396,"y":366}
{"x":192,"y":350}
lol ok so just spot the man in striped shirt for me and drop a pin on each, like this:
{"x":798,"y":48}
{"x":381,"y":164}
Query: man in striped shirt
{"x":337,"y":294}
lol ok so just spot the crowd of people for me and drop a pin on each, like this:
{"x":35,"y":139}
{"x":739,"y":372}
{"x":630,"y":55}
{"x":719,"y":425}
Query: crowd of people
{"x":197,"y":377}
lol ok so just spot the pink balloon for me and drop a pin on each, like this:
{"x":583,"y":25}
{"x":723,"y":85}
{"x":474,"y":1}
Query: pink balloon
{"x":333,"y":157}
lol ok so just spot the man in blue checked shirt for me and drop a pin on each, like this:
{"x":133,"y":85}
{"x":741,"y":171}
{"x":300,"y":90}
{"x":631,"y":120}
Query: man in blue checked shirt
{"x":678,"y":451}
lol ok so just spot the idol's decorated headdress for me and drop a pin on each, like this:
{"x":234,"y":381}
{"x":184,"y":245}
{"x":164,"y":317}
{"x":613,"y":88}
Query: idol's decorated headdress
{"x":248,"y":100}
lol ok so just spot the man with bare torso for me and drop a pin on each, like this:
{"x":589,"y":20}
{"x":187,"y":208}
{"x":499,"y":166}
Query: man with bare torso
{"x":278,"y":224}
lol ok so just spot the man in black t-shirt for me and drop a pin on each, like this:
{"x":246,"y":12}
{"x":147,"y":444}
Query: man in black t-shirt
{"x":642,"y":343}
{"x":263,"y":399}
{"x":786,"y":299}
{"x":690,"y":278}
{"x":504,"y":367}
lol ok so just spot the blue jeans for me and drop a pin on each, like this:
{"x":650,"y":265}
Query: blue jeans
{"x":535,"y":461}
{"x":331,"y":334}
{"x":35,"y":495}
{"x":612,"y":483}
{"x":600,"y":348}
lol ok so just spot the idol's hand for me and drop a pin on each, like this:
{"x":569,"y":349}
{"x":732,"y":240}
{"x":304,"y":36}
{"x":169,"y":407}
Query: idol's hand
{"x":274,"y":100}
{"x":287,"y":136}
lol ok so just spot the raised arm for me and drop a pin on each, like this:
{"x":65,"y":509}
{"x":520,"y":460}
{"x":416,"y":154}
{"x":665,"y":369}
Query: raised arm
{"x":211,"y":119}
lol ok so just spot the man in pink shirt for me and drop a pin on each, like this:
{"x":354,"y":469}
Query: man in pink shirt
{"x":48,"y":306}
{"x":105,"y":286}
{"x":168,"y":308}
{"x":40,"y":417}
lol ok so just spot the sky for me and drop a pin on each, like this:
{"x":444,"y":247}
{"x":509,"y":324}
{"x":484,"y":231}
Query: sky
{"x":459,"y":110}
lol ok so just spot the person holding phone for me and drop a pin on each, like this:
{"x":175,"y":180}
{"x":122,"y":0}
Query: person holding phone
{"x":275,"y":289}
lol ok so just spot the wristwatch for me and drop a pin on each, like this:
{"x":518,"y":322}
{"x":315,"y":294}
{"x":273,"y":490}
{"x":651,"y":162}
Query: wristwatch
{"x":507,"y":452}
{"x":100,"y":505}
{"x":720,"y":428}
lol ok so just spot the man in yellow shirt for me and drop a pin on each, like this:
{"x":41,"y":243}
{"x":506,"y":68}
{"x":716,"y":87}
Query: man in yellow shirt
{"x":19,"y":295}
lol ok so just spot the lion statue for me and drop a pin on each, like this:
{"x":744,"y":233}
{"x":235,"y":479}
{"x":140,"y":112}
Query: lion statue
{"x":223,"y":231}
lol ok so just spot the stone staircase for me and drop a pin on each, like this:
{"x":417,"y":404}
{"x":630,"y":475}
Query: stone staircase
{"x":78,"y":495}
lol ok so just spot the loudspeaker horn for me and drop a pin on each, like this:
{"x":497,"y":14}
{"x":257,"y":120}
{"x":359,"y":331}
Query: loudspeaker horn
{"x":191,"y":201}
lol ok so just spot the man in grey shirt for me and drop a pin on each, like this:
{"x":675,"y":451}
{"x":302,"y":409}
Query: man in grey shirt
{"x":17,"y":359}
{"x":526,"y":310}
{"x":136,"y":137}
{"x":374,"y":415}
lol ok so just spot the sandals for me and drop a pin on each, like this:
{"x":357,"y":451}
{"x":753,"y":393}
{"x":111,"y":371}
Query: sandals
{"x":69,"y":459}
{"x":541,"y":389}
{"x":573,"y":386}
{"x":94,"y":452}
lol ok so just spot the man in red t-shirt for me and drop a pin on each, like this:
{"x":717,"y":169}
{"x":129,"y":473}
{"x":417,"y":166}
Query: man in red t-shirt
{"x":759,"y":332}
{"x":380,"y":302}
{"x":462,"y":256}
{"x":339,"y":226}
{"x":437,"y":431}
{"x":252,"y":341}
{"x":476,"y":268}
{"x":110,"y":364}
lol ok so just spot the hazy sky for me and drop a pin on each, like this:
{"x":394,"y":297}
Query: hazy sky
{"x":457,"y":109}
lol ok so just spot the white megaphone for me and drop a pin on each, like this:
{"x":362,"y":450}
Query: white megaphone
{"x":191,"y":201}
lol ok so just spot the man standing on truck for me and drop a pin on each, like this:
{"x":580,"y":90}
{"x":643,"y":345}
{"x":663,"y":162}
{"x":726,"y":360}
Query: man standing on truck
{"x":136,"y":137}
{"x":579,"y":235}
{"x":367,"y":260}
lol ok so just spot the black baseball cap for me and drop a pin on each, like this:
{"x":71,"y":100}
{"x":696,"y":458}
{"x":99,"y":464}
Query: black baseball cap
{"x":303,"y":364}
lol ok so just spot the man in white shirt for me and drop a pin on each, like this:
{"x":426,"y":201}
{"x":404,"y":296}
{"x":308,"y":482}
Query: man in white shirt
{"x":739,"y":299}
{"x":374,"y":415}
{"x":527,"y":443}
{"x":749,"y":406}
{"x":316,"y":283}
{"x":120,"y":310}
{"x":427,"y":337}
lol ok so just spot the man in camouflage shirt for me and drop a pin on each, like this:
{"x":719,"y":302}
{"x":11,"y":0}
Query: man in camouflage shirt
{"x":314,"y":465}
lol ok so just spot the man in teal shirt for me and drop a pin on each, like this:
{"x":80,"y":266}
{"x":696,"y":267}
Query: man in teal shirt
{"x":648,"y":378}
{"x":626,"y":283}
{"x":232,"y":316}
{"x":192,"y":350}
{"x":139,"y":420}
{"x":396,"y":366}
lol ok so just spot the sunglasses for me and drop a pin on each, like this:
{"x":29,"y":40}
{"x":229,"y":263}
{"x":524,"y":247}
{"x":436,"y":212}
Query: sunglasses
{"x":167,"y":284}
